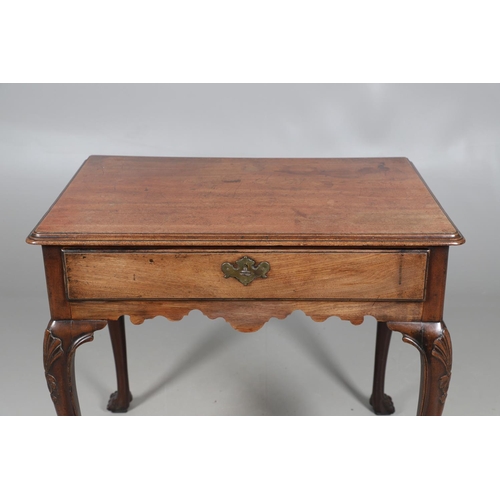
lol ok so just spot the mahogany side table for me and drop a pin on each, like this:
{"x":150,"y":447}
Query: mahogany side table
{"x":246,"y":240}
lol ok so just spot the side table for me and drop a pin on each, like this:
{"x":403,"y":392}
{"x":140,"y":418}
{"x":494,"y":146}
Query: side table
{"x":246,"y":240}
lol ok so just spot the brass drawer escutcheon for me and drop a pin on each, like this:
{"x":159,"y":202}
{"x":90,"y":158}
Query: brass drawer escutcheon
{"x":245,"y":270}
{"x":367,"y":275}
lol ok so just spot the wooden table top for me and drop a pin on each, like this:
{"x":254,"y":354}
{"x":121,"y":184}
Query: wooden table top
{"x":134,"y":201}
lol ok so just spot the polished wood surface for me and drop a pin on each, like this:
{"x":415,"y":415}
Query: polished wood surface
{"x":246,"y":240}
{"x":382,"y":403}
{"x":355,"y":275}
{"x":209,"y":201}
{"x":245,"y":315}
{"x":433,"y":341}
{"x":61,"y":340}
{"x":120,"y":400}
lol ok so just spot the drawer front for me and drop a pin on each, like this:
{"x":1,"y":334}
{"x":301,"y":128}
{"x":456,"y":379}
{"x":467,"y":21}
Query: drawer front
{"x":145,"y":275}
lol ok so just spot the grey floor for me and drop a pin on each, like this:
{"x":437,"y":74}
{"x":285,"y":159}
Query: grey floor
{"x":290,"y":367}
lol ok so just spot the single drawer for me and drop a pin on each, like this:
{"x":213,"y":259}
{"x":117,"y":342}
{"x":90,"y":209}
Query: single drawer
{"x":345,"y":275}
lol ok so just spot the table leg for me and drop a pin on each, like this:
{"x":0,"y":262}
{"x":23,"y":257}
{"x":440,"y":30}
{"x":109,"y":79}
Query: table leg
{"x":119,"y":401}
{"x":60,"y":343}
{"x":381,"y":402}
{"x":433,"y":341}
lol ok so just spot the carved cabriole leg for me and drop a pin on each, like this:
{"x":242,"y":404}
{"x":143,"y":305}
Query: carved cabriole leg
{"x":60,"y":343}
{"x":119,"y":401}
{"x":381,"y":402}
{"x":433,"y":341}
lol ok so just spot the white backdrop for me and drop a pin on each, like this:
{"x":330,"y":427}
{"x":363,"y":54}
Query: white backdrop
{"x":290,"y":367}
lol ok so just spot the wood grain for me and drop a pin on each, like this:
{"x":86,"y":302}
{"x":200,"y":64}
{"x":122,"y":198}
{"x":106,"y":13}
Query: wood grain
{"x":433,"y":341}
{"x":147,"y":237}
{"x":436,"y":284}
{"x":354,"y":275}
{"x":253,"y":201}
{"x":247,"y":315}
{"x":60,"y":308}
{"x":61,"y":340}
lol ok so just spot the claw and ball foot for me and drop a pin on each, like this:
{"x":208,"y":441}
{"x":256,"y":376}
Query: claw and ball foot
{"x":382,"y":403}
{"x":116,"y":403}
{"x":119,"y":401}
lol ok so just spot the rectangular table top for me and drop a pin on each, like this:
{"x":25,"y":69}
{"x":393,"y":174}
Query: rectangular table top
{"x":327,"y":202}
